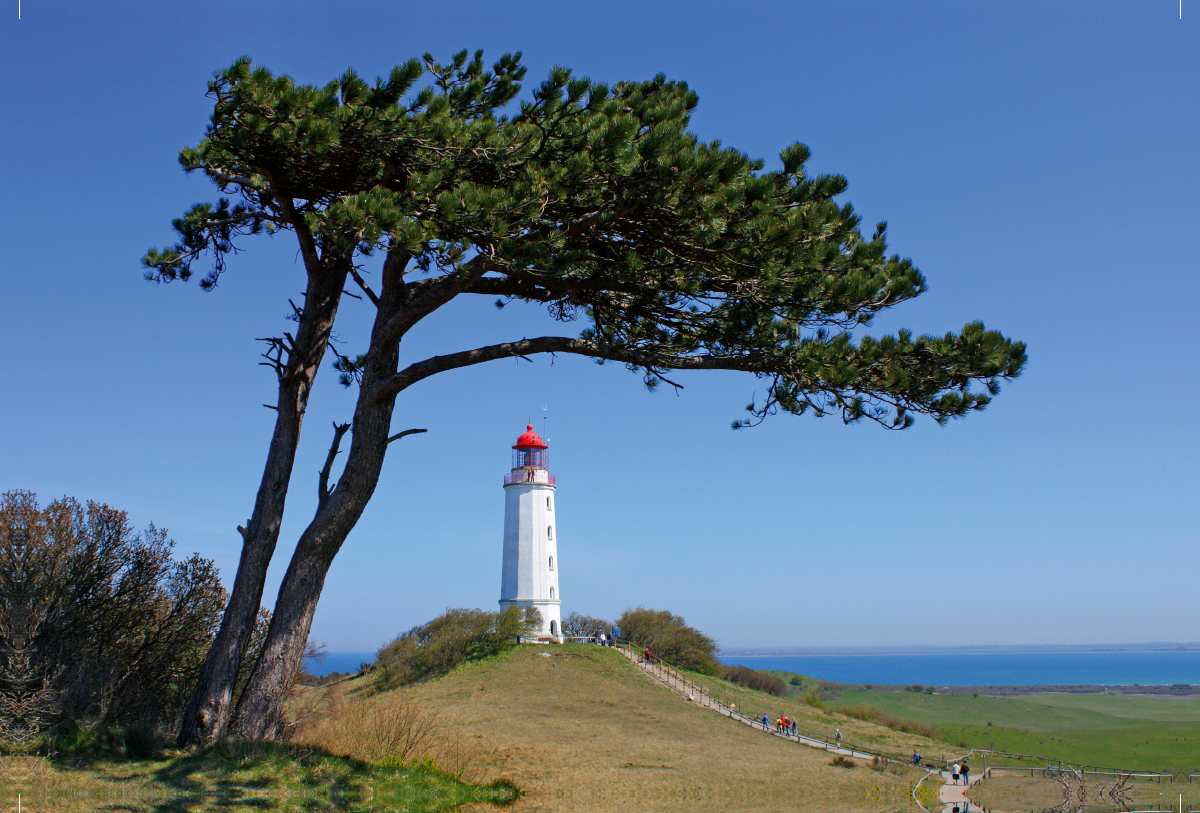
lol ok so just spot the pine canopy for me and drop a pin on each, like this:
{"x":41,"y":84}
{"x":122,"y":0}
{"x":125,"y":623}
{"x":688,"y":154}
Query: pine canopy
{"x":592,"y":199}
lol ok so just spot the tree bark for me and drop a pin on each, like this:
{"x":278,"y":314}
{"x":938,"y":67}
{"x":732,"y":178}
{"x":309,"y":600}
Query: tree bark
{"x":259,"y":711}
{"x":208,"y":713}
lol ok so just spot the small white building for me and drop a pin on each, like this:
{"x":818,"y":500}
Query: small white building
{"x":529,"y":576}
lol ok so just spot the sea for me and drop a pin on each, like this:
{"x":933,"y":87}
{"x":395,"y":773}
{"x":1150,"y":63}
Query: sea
{"x":341,"y":662}
{"x":945,"y":667}
{"x":950,"y":668}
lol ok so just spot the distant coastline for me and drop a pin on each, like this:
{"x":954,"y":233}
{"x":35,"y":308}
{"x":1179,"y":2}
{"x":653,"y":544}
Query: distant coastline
{"x":1175,"y":666}
{"x":816,"y":651}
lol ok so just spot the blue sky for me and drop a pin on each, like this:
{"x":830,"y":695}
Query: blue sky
{"x":1037,"y":161}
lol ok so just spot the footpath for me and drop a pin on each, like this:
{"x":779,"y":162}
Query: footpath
{"x":953,"y":797}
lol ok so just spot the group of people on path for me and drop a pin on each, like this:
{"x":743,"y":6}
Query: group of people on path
{"x":783,"y":725}
{"x":961,"y":769}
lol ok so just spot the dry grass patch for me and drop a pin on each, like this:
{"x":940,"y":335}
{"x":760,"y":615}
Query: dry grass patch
{"x":381,"y":731}
{"x":1001,"y":792}
{"x":579,"y":728}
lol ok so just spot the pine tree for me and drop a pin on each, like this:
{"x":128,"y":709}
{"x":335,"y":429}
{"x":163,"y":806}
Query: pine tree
{"x":592,"y":200}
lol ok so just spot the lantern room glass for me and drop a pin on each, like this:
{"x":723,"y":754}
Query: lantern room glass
{"x":530,"y":457}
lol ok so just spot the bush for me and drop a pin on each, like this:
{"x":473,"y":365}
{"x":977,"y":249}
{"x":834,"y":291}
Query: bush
{"x":842,"y":762}
{"x":872,"y":714}
{"x":744,"y":676}
{"x":576,"y":625}
{"x":813,"y":698}
{"x":454,"y":637}
{"x":884,"y":765}
{"x":98,"y":624}
{"x":667,"y":636}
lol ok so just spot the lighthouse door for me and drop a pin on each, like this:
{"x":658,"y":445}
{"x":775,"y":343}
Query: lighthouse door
{"x":554,"y":628}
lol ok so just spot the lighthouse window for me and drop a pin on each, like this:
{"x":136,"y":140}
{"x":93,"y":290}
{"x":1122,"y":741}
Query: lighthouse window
{"x":550,"y":532}
{"x":552,"y":563}
{"x":548,"y":506}
{"x":551,"y":596}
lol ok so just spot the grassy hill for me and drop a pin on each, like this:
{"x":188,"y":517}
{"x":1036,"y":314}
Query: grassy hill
{"x":579,"y":728}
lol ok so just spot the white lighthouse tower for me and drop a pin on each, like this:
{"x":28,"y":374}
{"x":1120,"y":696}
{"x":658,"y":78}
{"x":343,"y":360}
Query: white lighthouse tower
{"x":529,"y":577}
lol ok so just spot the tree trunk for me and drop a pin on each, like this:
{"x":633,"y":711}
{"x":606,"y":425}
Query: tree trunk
{"x":260,"y":708}
{"x":208,"y":713}
{"x":259,"y":712}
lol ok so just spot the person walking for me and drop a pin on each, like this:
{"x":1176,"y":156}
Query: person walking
{"x":837,"y":734}
{"x":954,"y":772}
{"x":766,"y":723}
{"x":965,"y":770}
{"x":917,"y":758}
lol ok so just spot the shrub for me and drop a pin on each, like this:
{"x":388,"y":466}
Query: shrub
{"x":455,"y":636}
{"x":744,"y":676}
{"x":796,"y":681}
{"x":98,"y":624}
{"x":576,"y":625}
{"x":872,"y":714}
{"x":813,"y":698}
{"x":668,"y":636}
{"x":842,"y":762}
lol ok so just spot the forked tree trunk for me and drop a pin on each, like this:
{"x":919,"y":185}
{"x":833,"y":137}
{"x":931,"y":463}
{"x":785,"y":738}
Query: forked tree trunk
{"x":208,"y":713}
{"x":260,"y":709}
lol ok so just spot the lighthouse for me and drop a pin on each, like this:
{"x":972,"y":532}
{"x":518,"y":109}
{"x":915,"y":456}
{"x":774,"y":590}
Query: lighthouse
{"x":529,"y":576}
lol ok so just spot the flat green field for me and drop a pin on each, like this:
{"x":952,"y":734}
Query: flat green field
{"x":1133,"y":732}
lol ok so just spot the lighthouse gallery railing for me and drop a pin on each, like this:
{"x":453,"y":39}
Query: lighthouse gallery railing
{"x":535,"y":476}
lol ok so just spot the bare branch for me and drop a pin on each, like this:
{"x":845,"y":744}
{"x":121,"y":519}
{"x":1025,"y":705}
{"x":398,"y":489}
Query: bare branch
{"x":366,"y":289}
{"x":399,"y":435}
{"x":323,"y":490}
{"x":276,"y":347}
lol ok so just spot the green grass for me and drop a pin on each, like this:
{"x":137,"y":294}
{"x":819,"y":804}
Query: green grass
{"x":1140,"y":732}
{"x":821,"y":721}
{"x":234,"y":777}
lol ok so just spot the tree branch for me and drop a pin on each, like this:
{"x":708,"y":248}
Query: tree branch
{"x":399,"y":435}
{"x":410,"y":375}
{"x":323,"y":490}
{"x":433,"y":296}
{"x":225,"y":180}
{"x":365,"y":288}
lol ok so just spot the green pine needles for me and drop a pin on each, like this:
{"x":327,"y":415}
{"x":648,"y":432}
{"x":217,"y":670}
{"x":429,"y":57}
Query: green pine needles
{"x":598,"y":202}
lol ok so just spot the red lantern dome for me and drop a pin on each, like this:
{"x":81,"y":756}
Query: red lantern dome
{"x":531,"y":461}
{"x":530,"y":440}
